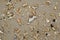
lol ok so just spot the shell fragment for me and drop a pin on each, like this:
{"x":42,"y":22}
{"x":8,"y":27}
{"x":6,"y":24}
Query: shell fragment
{"x":1,"y":31}
{"x":31,"y":19}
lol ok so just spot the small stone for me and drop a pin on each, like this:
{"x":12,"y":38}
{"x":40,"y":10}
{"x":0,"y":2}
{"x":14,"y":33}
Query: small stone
{"x":47,"y":34}
{"x":33,"y":12}
{"x":0,"y":39}
{"x":15,"y":36}
{"x":25,"y":5}
{"x":53,"y":20}
{"x":29,"y":7}
{"x":48,"y":3}
{"x":37,"y":31}
{"x":18,"y":10}
{"x":24,"y":37}
{"x":51,"y":25}
{"x":19,"y":21}
{"x":56,"y":32}
{"x":35,"y":6}
{"x":55,"y":7}
{"x":3,"y":15}
{"x":47,"y":20}
{"x":53,"y":28}
{"x":1,"y":31}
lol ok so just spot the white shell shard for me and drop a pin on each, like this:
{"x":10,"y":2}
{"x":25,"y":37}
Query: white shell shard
{"x":56,"y":32}
{"x":53,"y":28}
{"x":31,"y":19}
{"x":1,"y":31}
{"x":34,"y":7}
{"x":0,"y":39}
{"x":25,"y":5}
{"x":47,"y":20}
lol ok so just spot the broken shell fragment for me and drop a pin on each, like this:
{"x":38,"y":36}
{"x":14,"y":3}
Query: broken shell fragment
{"x":55,"y":7}
{"x":47,"y":34}
{"x":25,"y":5}
{"x":1,"y":31}
{"x":48,"y":3}
{"x":18,"y":10}
{"x":47,"y":21}
{"x":56,"y":32}
{"x":35,"y":6}
{"x":19,"y":21}
{"x":31,"y":19}
{"x":53,"y":28}
{"x":0,"y":39}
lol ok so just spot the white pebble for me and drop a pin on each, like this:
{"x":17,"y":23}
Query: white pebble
{"x":47,"y":20}
{"x":0,"y":39}
{"x":56,"y":32}
{"x":1,"y":31}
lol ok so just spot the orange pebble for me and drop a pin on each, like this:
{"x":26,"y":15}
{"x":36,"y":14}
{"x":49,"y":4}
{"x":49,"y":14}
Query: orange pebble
{"x":19,"y":20}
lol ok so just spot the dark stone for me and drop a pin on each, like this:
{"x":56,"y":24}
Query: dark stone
{"x":46,"y":34}
{"x":53,"y":20}
{"x":51,"y":25}
{"x":23,"y":37}
{"x":37,"y":31}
